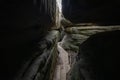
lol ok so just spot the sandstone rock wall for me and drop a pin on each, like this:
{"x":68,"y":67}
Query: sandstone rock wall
{"x":42,"y":64}
{"x":24,"y":26}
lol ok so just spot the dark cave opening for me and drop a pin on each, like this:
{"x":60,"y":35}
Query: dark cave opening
{"x":101,"y":12}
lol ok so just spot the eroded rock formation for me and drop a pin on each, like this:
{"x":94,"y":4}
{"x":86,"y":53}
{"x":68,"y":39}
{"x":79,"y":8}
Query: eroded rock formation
{"x":25,"y":28}
{"x":98,"y":57}
{"x":30,"y":31}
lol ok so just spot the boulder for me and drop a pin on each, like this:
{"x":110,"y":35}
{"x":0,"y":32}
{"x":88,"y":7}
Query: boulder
{"x":98,"y":57}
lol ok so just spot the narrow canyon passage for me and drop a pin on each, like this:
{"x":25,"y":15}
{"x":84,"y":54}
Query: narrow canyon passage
{"x":63,"y":64}
{"x":68,"y":48}
{"x":59,"y":39}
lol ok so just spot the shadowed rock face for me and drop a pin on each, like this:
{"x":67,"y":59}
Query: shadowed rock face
{"x":23,"y":24}
{"x":99,"y":57}
{"x":102,"y":12}
{"x":23,"y":21}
